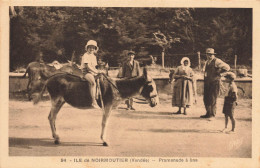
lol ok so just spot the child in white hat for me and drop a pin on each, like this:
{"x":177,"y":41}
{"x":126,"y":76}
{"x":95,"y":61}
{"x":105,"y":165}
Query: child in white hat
{"x":88,"y":67}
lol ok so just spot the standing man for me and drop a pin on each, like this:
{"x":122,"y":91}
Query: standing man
{"x":130,"y":69}
{"x":214,"y":67}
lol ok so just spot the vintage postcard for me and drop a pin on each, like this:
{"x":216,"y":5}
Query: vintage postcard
{"x":129,"y":84}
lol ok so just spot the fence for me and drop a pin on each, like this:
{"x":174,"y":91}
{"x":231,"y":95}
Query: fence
{"x":17,"y":86}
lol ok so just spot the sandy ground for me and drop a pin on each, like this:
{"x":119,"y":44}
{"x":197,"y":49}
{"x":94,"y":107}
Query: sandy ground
{"x":146,"y":132}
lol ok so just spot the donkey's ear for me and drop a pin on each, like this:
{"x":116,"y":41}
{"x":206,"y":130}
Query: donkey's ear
{"x":145,"y":72}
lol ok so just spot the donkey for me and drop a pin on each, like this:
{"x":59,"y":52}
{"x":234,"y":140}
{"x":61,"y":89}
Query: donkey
{"x":76,"y":92}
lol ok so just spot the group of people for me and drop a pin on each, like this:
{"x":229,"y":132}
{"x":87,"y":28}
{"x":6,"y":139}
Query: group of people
{"x":184,"y":85}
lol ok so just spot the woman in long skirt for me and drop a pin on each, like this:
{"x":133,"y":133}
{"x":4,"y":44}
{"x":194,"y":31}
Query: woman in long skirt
{"x":184,"y":86}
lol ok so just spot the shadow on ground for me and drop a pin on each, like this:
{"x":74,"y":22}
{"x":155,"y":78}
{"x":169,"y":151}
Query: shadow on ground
{"x":30,"y":142}
{"x":164,"y":115}
{"x":184,"y":131}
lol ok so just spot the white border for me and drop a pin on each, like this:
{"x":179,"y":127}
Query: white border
{"x":34,"y":162}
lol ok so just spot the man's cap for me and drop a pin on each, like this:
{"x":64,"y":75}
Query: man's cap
{"x":210,"y":51}
{"x":131,"y":52}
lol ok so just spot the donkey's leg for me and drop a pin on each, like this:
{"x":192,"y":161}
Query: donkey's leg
{"x":106,"y":114}
{"x":56,"y":105}
{"x":61,"y":102}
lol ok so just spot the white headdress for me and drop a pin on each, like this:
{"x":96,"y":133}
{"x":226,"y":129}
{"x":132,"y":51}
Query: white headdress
{"x":185,"y":59}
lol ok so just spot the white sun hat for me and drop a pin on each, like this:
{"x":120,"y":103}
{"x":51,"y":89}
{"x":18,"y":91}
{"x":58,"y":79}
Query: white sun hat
{"x":93,"y":43}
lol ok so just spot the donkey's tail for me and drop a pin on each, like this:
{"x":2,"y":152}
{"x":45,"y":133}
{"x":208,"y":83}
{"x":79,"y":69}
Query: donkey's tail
{"x":39,"y":96}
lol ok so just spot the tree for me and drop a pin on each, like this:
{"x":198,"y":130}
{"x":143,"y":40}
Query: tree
{"x":227,"y":30}
{"x":164,"y":43}
{"x":58,"y":32}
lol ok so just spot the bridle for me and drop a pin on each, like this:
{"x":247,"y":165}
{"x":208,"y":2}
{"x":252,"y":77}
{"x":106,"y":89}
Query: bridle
{"x":149,"y":83}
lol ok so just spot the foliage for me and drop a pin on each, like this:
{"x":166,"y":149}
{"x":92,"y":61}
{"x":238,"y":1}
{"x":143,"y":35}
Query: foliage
{"x":58,"y":32}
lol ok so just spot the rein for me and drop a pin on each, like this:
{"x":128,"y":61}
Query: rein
{"x":110,"y":82}
{"x":99,"y":88}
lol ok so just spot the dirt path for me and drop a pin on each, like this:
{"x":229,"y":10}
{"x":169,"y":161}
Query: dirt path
{"x":145,"y":132}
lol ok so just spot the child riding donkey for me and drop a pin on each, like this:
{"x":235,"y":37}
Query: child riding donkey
{"x":88,"y":66}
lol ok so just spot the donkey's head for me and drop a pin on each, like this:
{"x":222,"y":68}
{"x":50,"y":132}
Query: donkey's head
{"x":149,"y":91}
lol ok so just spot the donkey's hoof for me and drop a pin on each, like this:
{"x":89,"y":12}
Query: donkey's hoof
{"x":105,"y":144}
{"x":57,"y":142}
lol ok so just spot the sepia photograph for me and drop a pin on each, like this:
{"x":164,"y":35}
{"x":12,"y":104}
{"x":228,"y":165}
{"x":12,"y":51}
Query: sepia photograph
{"x":97,"y":85}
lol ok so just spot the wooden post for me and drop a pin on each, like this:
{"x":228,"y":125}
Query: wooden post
{"x":235,"y":64}
{"x":199,"y":63}
{"x":72,"y":58}
{"x":163,"y":58}
{"x":41,"y":57}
